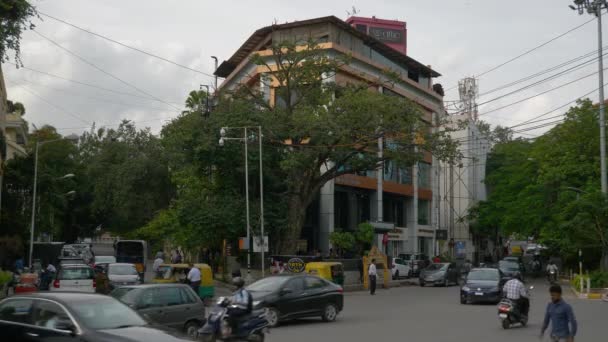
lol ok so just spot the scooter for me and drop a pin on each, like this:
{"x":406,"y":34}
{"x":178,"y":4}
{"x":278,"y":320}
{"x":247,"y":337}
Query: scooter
{"x":509,"y":313}
{"x":252,"y":328}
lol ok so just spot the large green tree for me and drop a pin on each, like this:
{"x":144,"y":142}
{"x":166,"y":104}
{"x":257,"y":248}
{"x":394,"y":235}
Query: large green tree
{"x":320,"y":130}
{"x":15,"y":18}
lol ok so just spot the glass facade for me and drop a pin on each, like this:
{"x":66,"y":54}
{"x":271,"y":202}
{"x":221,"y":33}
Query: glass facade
{"x":424,"y":212}
{"x":424,"y":175}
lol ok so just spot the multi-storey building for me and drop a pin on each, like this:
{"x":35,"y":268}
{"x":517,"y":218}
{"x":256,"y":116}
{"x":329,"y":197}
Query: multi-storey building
{"x":398,"y":201}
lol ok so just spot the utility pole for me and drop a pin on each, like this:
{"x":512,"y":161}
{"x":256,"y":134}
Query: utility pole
{"x":214,"y":73}
{"x":595,"y":7}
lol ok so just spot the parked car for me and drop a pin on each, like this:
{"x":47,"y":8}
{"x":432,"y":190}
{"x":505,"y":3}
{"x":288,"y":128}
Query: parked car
{"x":509,"y":268}
{"x":444,"y":273}
{"x":172,"y":305}
{"x":74,"y":278}
{"x":103,"y":260}
{"x":417,"y":262}
{"x":297,"y":296}
{"x":48,"y":316}
{"x":400,"y":268}
{"x":121,"y":274}
{"x":482,"y":285}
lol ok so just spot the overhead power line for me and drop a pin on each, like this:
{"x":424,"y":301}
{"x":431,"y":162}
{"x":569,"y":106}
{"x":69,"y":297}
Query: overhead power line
{"x":87,"y":84}
{"x":82,"y":59}
{"x":529,"y":51}
{"x":125,"y":45}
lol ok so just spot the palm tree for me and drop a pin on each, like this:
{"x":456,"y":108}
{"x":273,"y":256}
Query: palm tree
{"x":196,"y":102}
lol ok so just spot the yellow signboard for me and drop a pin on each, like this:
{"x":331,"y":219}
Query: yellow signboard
{"x":379,"y":259}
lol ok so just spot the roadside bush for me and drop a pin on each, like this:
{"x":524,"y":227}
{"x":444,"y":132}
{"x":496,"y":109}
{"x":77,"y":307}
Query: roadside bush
{"x":576,"y":282}
{"x":599,"y":279}
{"x":5,"y":277}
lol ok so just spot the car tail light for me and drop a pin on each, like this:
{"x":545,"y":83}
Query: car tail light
{"x":94,"y":284}
{"x":340,"y":289}
{"x":56,"y":283}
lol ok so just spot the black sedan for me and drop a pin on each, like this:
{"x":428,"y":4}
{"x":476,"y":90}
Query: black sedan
{"x":297,"y":296}
{"x":72,"y":317}
{"x":439,"y":274}
{"x":509,"y":268}
{"x":482,"y":285}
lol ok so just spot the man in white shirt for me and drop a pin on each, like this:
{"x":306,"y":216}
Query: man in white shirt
{"x":372,"y":273}
{"x":194,"y":276}
{"x":156,"y":266}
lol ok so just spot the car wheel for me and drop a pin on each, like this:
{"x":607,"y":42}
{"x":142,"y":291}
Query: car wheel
{"x":463,"y":300}
{"x":446,"y":282}
{"x":191,"y":329}
{"x":396,"y":276}
{"x":330,"y":313}
{"x":257,"y":337}
{"x":272,"y":316}
{"x":421,"y":283}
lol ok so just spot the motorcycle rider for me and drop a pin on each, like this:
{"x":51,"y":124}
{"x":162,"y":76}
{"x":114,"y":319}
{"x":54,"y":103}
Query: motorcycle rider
{"x":552,"y":267}
{"x":515,"y":290}
{"x":241,"y":303}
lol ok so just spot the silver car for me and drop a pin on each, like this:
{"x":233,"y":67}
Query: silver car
{"x":173,"y":305}
{"x":122,"y":274}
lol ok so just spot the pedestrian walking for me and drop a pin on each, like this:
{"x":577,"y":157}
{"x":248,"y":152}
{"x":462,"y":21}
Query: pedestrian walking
{"x":156,"y":265}
{"x":194,"y":276}
{"x":372,"y":273}
{"x":560,"y":315}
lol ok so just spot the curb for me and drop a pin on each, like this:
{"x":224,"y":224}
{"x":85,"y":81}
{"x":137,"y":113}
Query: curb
{"x":590,"y":296}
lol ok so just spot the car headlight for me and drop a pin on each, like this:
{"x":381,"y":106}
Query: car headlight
{"x":466,"y":289}
{"x":256,"y":303}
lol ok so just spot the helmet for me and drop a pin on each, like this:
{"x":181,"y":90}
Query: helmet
{"x":238,"y":282}
{"x":517,"y":275}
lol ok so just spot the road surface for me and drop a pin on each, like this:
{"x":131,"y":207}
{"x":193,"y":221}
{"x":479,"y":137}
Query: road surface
{"x":435,"y":315}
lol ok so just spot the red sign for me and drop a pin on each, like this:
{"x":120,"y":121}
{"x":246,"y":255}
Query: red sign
{"x":385,"y":239}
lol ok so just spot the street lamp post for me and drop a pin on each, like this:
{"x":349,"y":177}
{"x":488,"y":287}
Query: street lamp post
{"x":35,"y":185}
{"x":595,"y":7}
{"x":223,"y":138}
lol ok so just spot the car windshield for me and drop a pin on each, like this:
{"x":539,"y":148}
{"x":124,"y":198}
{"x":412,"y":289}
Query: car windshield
{"x":122,"y":270}
{"x":508,"y":265}
{"x":127,"y":295}
{"x":437,"y":267}
{"x":483,"y":275}
{"x":268,"y":284}
{"x":73,"y":273}
{"x":100,"y":313}
{"x":103,"y":259}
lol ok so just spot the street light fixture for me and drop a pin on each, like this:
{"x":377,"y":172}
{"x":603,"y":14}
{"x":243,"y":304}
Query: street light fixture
{"x":595,"y":7}
{"x":71,"y":138}
{"x":245,"y":138}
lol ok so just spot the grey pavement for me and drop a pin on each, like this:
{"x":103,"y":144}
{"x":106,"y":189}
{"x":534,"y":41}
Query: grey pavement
{"x":435,"y":314}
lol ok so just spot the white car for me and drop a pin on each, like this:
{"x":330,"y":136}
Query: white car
{"x":400,"y":268}
{"x":74,"y":278}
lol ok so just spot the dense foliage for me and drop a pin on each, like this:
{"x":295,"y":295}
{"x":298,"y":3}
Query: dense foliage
{"x":548,"y":188}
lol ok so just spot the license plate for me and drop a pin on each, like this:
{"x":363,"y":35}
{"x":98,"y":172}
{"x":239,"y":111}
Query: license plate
{"x":502,"y":316}
{"x":479,"y":293}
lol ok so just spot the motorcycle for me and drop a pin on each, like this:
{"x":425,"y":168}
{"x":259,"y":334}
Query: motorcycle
{"x":252,"y":328}
{"x":552,"y":277}
{"x":509,"y":313}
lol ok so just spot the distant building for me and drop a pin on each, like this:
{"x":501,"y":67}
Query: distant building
{"x":461,"y":187}
{"x":391,"y":32}
{"x":14,"y":128}
{"x":405,"y":221}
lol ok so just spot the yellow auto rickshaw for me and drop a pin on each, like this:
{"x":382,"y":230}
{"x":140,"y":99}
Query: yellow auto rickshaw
{"x":332,"y":271}
{"x":178,"y":273}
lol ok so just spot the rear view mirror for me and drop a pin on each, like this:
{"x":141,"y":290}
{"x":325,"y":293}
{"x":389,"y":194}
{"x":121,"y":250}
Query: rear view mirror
{"x":286,"y":290}
{"x":65,"y":325}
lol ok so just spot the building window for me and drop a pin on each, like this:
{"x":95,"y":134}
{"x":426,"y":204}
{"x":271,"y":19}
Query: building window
{"x":424,"y":212}
{"x":412,"y":75}
{"x":363,"y":208}
{"x":394,"y":210}
{"x":424,"y":175}
{"x":341,"y":210}
{"x":361,"y":28}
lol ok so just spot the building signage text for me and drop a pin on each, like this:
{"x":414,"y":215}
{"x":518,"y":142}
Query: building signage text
{"x":386,"y":35}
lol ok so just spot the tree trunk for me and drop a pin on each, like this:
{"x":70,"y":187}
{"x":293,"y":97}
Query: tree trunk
{"x":604,"y":260}
{"x":295,"y":219}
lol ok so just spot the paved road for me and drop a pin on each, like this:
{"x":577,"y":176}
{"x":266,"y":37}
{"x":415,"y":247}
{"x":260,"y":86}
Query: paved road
{"x":434,"y":315}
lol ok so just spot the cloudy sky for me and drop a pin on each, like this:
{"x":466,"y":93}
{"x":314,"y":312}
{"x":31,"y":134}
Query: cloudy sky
{"x":457,"y":37}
